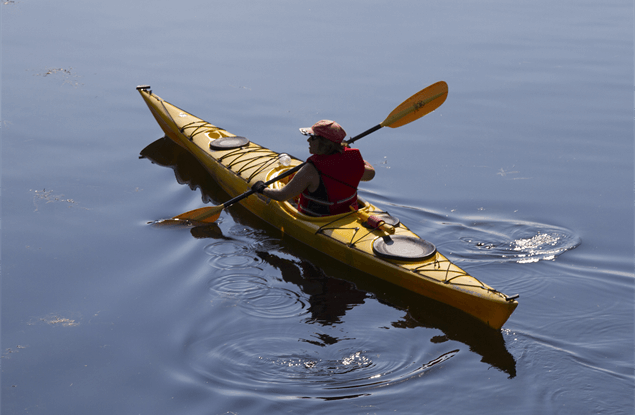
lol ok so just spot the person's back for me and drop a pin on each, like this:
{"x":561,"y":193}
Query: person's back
{"x":327,"y":184}
{"x":340,"y":174}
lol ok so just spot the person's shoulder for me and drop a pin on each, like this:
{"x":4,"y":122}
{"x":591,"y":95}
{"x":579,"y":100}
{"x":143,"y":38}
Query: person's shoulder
{"x":308,"y":169}
{"x":352,"y":151}
{"x":353,"y":154}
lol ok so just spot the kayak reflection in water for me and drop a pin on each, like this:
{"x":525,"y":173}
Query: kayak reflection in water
{"x":327,"y":184}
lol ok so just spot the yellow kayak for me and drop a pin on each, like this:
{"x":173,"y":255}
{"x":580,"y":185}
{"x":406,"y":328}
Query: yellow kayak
{"x":368,"y":239}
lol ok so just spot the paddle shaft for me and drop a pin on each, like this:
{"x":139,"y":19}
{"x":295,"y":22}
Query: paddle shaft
{"x":364,"y":134}
{"x":267,"y":183}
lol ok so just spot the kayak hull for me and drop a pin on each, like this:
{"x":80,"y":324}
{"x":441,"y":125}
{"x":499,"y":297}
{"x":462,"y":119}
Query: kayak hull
{"x":343,"y":237}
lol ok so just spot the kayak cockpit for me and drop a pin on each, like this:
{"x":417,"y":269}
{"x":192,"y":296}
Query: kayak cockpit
{"x":367,"y":225}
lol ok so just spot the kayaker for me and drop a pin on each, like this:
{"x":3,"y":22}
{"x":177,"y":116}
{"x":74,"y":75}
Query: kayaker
{"x":327,"y":184}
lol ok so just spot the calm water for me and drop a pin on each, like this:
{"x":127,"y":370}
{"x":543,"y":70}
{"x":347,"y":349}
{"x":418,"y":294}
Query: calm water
{"x":524,"y":177}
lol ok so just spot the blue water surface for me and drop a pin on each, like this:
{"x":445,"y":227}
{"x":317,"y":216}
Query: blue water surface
{"x":524,"y":177}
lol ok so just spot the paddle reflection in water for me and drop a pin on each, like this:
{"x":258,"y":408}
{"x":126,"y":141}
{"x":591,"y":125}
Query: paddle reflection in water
{"x":325,"y":299}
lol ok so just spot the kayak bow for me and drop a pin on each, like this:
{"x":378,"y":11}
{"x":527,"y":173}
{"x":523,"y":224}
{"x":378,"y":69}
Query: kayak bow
{"x":369,"y":239}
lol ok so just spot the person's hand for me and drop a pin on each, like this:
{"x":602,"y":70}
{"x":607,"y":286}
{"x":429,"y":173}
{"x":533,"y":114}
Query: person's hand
{"x":259,"y":186}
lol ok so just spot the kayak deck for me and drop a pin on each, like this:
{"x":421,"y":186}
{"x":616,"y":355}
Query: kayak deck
{"x":344,"y":237}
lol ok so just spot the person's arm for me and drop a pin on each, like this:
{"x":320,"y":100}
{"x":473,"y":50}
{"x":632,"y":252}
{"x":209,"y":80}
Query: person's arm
{"x":307,"y":177}
{"x":369,"y":172}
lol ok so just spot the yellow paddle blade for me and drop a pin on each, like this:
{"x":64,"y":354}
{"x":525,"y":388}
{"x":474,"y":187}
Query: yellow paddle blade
{"x":204,"y":215}
{"x":418,"y":105}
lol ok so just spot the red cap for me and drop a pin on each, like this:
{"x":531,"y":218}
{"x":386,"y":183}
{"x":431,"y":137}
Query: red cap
{"x":328,"y":129}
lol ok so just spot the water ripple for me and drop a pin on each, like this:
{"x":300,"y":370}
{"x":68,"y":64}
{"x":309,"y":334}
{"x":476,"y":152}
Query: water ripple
{"x":521,"y":242}
{"x":492,"y":239}
{"x":228,"y":262}
{"x":239,"y":285}
{"x":274,"y":303}
{"x":228,"y":255}
{"x":274,"y":361}
{"x":225,"y":248}
{"x":256,"y":297}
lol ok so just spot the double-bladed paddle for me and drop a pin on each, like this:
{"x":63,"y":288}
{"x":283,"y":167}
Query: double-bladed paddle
{"x":415,"y":107}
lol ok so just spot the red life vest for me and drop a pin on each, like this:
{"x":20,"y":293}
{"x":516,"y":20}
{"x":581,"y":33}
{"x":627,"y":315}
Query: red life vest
{"x":340,"y":174}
